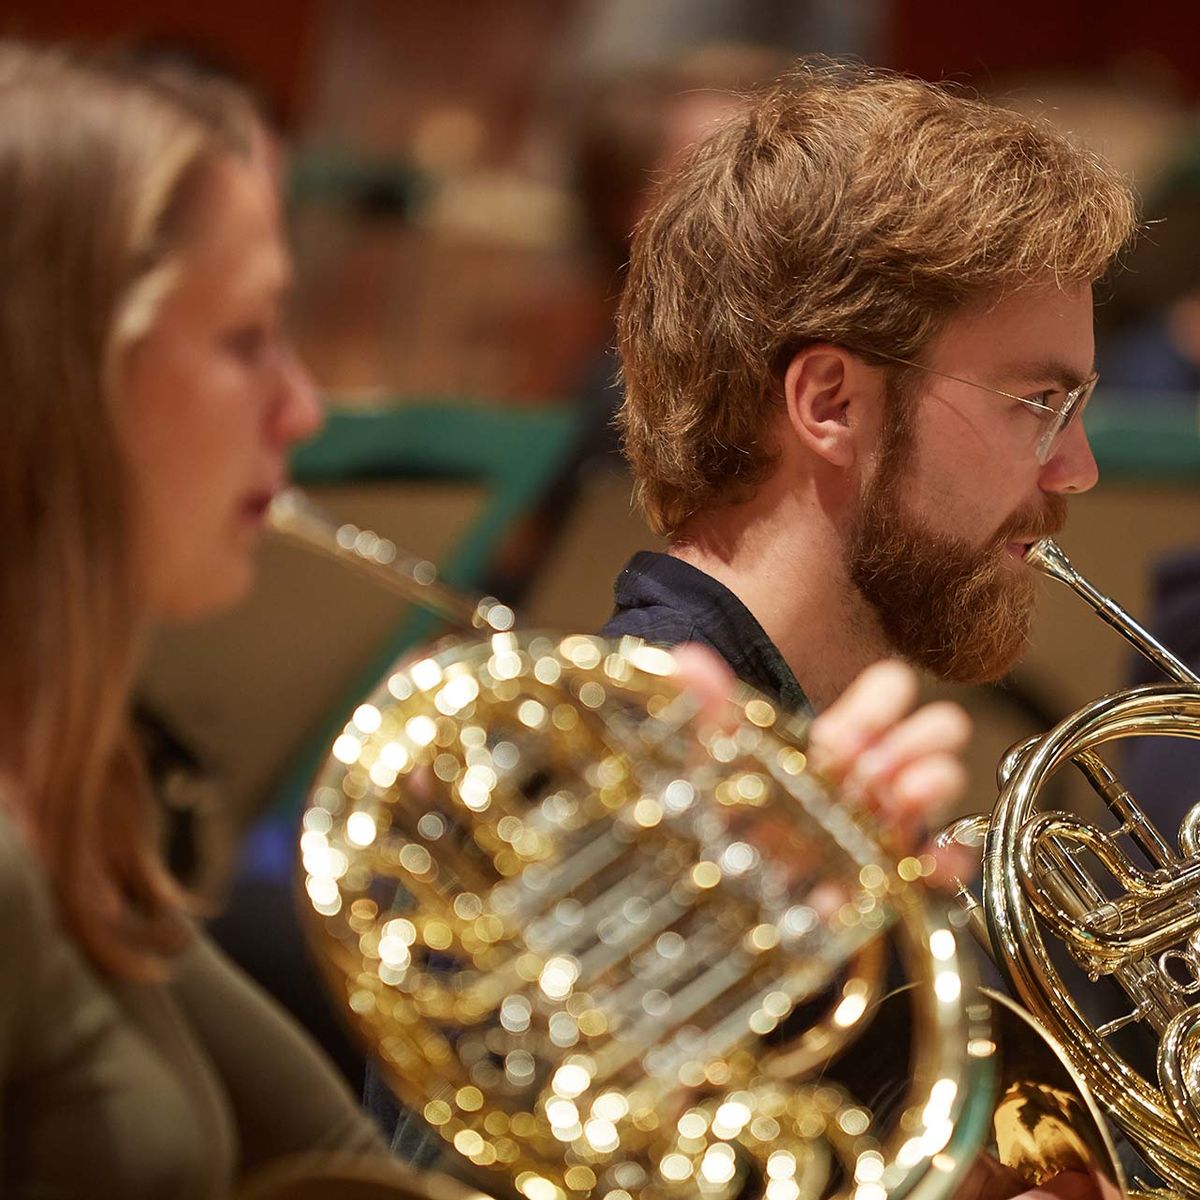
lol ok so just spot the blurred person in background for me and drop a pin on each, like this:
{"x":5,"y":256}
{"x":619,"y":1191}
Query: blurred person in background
{"x":1152,"y":347}
{"x":624,"y":129}
{"x":627,"y":131}
{"x":1154,"y":362}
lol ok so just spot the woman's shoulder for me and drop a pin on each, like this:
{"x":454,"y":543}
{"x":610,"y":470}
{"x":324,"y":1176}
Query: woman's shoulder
{"x":23,"y":892}
{"x":14,"y":847}
{"x":26,"y":932}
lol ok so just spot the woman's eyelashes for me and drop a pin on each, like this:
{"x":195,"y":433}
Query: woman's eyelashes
{"x":250,"y":343}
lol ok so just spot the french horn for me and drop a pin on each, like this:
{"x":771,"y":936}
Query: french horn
{"x":1120,"y":900}
{"x":608,"y":954}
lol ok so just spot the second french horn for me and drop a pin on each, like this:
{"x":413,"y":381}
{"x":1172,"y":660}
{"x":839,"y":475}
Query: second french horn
{"x":1065,"y":899}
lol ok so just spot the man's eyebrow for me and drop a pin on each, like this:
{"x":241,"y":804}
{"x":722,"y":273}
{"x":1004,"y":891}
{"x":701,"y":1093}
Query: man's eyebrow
{"x":1063,"y":373}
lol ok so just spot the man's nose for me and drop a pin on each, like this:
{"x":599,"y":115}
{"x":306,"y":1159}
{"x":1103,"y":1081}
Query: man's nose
{"x":1072,"y":467}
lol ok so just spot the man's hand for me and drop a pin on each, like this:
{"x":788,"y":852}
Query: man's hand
{"x":903,"y":766}
{"x":988,"y":1180}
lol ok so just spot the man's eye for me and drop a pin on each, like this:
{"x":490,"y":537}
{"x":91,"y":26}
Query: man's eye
{"x":1051,"y":399}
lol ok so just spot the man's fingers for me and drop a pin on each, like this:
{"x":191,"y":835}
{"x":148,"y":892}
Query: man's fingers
{"x":953,"y":866}
{"x":927,"y":787}
{"x":938,"y":728}
{"x":874,"y":702}
{"x":915,"y":768}
{"x":709,"y":678}
{"x":906,"y":768}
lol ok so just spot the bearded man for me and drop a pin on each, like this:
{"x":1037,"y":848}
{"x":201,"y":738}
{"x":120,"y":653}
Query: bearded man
{"x":856,"y":339}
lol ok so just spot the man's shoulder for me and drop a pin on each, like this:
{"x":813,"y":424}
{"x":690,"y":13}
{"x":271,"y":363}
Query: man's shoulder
{"x":666,"y":601}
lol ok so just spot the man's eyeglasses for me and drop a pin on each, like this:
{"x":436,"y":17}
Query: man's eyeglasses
{"x":1056,"y":419}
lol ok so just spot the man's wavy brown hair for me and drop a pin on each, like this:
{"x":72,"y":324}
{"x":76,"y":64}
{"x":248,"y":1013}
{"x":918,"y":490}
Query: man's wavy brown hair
{"x":844,"y":205}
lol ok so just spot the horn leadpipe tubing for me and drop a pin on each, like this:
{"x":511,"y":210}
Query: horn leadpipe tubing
{"x":1049,"y":558}
{"x":296,"y":518}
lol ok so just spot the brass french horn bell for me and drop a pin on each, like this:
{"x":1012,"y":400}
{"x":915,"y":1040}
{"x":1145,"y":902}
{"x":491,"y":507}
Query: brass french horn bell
{"x":580,"y":934}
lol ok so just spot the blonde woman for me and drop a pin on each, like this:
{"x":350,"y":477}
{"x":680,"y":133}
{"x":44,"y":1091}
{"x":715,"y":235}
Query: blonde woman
{"x":149,"y":399}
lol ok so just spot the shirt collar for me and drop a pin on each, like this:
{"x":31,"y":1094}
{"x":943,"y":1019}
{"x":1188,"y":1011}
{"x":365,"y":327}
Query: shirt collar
{"x":652,"y":579}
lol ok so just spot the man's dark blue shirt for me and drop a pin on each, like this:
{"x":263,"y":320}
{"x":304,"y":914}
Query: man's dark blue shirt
{"x":667,"y":602}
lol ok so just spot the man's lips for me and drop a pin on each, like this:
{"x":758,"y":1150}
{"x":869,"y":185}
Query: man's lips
{"x":1025,"y":528}
{"x":1019,"y":547}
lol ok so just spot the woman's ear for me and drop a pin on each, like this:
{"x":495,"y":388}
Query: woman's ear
{"x":826,"y":392}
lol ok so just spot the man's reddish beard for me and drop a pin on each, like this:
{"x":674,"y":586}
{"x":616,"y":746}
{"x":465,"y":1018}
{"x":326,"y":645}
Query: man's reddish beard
{"x":961,"y":612}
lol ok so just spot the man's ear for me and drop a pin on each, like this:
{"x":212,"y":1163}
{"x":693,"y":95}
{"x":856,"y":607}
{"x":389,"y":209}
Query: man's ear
{"x":827,"y":391}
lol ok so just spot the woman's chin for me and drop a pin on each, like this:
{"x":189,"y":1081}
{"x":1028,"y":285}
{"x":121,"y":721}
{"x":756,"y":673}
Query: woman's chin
{"x":204,"y":595}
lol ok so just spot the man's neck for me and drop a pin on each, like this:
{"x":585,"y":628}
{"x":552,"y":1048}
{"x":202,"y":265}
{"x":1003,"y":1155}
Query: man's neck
{"x":784,"y":560}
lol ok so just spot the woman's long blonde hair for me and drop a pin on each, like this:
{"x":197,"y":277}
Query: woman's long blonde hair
{"x":98,"y":165}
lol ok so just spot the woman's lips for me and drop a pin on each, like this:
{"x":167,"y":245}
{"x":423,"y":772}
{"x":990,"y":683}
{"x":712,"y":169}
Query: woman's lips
{"x":255,"y":506}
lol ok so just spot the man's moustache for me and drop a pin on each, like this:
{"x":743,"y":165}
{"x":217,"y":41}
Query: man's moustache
{"x":1045,"y":521}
